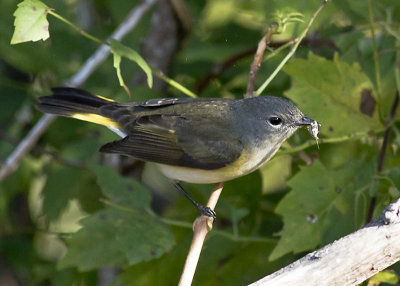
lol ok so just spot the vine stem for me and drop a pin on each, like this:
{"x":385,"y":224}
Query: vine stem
{"x":292,"y":51}
{"x":75,"y":27}
{"x":309,"y":143}
{"x":173,"y":83}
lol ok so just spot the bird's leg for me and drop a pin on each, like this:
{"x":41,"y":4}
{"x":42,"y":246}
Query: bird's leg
{"x":202,"y":209}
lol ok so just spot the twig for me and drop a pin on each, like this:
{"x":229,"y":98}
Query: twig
{"x":292,"y":51}
{"x":42,"y":150}
{"x":309,"y":143}
{"x":382,"y":152}
{"x":258,"y":57}
{"x":349,"y":260}
{"x":221,"y":67}
{"x":375,"y":51}
{"x":78,"y":79}
{"x":201,"y":226}
{"x":389,"y":120}
{"x":11,"y":164}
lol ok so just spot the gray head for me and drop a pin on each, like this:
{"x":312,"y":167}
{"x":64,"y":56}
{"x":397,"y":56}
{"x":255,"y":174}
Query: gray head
{"x":276,"y":117}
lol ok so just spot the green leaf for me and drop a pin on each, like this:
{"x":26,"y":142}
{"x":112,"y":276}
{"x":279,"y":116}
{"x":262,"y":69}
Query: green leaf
{"x":243,"y":202}
{"x":63,"y":183}
{"x":312,"y":192}
{"x":30,"y":22}
{"x":120,"y":236}
{"x":324,"y":204}
{"x":386,"y":276}
{"x":117,"y":63}
{"x":331,"y":92}
{"x":275,"y":173}
{"x":94,"y":245}
{"x":125,"y":232}
{"x":123,"y":191}
{"x":120,"y":50}
{"x":168,"y":268}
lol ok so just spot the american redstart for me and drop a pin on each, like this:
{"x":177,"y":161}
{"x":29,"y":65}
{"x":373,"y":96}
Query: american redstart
{"x":197,"y":140}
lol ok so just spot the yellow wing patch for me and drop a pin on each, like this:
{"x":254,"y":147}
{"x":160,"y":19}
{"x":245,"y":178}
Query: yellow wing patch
{"x":95,"y":118}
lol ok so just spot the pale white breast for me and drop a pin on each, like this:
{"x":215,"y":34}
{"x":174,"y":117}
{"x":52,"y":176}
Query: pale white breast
{"x":245,"y":164}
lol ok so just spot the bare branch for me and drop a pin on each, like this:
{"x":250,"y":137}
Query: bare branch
{"x":78,"y":79}
{"x":11,"y":164}
{"x":382,"y":152}
{"x":221,"y":67}
{"x":258,"y":57}
{"x":349,"y":260}
{"x":201,"y":226}
{"x":217,"y":69}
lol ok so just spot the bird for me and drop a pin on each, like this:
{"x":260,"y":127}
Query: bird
{"x":195,"y":140}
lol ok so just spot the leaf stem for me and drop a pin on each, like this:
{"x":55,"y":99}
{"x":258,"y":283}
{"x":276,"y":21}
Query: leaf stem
{"x":397,"y":71}
{"x":310,"y":143}
{"x":78,"y":29}
{"x":292,"y":51}
{"x":278,"y":50}
{"x":173,"y":83}
{"x":159,"y":74}
{"x":115,"y":205}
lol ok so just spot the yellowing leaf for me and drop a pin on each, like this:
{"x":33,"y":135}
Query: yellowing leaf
{"x":30,"y":22}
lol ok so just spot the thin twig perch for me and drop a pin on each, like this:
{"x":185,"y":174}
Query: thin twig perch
{"x":201,"y":226}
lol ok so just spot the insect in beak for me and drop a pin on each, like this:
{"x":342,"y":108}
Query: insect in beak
{"x":313,"y":127}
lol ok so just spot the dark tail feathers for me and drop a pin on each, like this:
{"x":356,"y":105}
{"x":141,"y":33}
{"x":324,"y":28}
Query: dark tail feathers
{"x":67,"y":101}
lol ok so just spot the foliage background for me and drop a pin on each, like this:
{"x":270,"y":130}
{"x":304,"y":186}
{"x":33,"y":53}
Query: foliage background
{"x":139,"y":229}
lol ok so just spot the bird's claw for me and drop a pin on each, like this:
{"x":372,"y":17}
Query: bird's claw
{"x":206,"y":211}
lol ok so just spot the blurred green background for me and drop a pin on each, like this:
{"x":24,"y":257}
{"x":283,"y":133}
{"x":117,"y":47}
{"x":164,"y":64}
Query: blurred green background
{"x":68,"y":217}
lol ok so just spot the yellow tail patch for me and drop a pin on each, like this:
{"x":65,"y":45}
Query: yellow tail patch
{"x":105,"y":98}
{"x":95,"y":118}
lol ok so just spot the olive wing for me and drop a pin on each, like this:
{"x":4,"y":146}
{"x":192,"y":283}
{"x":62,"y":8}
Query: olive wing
{"x":180,"y":141}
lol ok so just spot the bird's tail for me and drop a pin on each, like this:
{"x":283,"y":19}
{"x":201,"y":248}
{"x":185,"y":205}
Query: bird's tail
{"x":76,"y":103}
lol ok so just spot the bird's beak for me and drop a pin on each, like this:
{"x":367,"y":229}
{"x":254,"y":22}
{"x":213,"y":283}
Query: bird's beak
{"x":305,"y":121}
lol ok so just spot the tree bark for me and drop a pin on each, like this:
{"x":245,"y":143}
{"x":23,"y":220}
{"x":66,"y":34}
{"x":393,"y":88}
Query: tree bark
{"x":349,"y":260}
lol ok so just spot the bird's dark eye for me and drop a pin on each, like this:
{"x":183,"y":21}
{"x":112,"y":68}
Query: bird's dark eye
{"x":275,"y":120}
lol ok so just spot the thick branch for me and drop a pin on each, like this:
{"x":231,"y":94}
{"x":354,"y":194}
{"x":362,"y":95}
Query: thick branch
{"x":349,"y":260}
{"x":11,"y":163}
